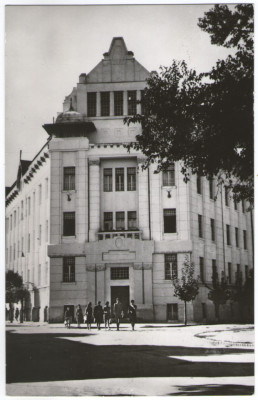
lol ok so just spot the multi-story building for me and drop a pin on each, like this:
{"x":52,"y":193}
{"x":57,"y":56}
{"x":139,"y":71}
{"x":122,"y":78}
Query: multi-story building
{"x":84,"y":221}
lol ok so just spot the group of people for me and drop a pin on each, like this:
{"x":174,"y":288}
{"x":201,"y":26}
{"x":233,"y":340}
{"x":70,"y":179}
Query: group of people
{"x":99,"y":313}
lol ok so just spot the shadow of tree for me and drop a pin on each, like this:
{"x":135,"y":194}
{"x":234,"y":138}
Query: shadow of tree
{"x":51,"y":357}
{"x":212,"y":390}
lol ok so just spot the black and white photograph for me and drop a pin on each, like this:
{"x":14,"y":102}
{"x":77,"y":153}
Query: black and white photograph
{"x":129,"y":199}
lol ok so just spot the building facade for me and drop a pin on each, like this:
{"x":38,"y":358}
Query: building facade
{"x":84,"y":221}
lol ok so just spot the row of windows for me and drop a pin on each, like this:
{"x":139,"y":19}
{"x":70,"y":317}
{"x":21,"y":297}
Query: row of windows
{"x":105,"y":103}
{"x":119,"y":222}
{"x":119,"y":179}
{"x":228,"y":235}
{"x":229,"y":278}
{"x":26,"y":208}
{"x":19,"y":251}
{"x":212,"y":192}
{"x":40,"y":279}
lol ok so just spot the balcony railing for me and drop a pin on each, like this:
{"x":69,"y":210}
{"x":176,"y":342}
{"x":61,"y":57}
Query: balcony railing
{"x":125,"y":234}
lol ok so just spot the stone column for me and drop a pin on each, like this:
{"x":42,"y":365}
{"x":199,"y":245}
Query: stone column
{"x":94,"y":194}
{"x":98,"y":104}
{"x":82,"y":196}
{"x":148,"y":284}
{"x":138,"y":284}
{"x":125,"y":102}
{"x":101,"y":283}
{"x":91,"y":283}
{"x":138,"y":106}
{"x":55,"y":198}
{"x":111,"y":104}
{"x":143,"y":200}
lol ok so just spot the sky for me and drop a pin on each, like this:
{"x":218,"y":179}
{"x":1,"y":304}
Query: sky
{"x":48,"y":47}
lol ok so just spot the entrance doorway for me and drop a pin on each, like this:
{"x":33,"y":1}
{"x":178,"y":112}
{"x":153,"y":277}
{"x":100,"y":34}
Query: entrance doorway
{"x":122,"y":292}
{"x":172,"y":312}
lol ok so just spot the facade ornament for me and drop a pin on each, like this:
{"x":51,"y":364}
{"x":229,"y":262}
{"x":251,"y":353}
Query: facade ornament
{"x":137,"y":266}
{"x":90,"y":267}
{"x":147,"y":265}
{"x":94,"y":161}
{"x":100,"y":267}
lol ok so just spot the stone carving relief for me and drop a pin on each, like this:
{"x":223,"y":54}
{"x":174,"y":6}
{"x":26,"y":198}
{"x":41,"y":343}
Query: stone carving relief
{"x":94,"y":161}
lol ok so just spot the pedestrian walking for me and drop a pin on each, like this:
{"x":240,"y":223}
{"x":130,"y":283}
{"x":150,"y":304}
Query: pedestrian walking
{"x":107,"y":315}
{"x":79,"y":316}
{"x":132,"y":313}
{"x":67,"y":317}
{"x":17,"y":313}
{"x":98,"y":314}
{"x":89,"y":315}
{"x":118,"y":309}
{"x":11,"y":314}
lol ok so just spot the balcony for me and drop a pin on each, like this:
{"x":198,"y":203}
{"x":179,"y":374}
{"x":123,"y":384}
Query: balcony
{"x":135,"y":234}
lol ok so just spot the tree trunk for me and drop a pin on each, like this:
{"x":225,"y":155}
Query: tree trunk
{"x":185,"y":315}
{"x":217,"y":312}
{"x":21,"y":312}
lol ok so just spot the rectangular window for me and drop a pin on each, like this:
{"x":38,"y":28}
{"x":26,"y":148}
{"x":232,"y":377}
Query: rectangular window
{"x":132,"y":222}
{"x":199,"y":184}
{"x":236,"y":235}
{"x":69,"y":224}
{"x":214,"y":270}
{"x":46,"y":188}
{"x":169,"y":220}
{"x":169,"y":176}
{"x":119,"y":273}
{"x":238,"y":275}
{"x":142,"y":102}
{"x":200,"y":225}
{"x":226,"y":196}
{"x":118,"y":103}
{"x":28,"y":243}
{"x":46,"y":234}
{"x":40,"y":194}
{"x":29,"y":206}
{"x":201,"y":261}
{"x":131,"y":179}
{"x":39,"y":275}
{"x":108,"y":221}
{"x":131,"y":102}
{"x":211,"y":188}
{"x":105,"y":104}
{"x":229,"y":273}
{"x":91,"y":104}
{"x":39,"y":238}
{"x":69,"y":178}
{"x":228,"y":235}
{"x":119,"y":179}
{"x":170,"y":266}
{"x":107,"y":178}
{"x":244,"y":239}
{"x":120,"y":220}
{"x":212,"y":230}
{"x":68,"y":269}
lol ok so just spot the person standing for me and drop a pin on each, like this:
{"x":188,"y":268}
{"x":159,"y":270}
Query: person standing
{"x":79,"y":316}
{"x":89,"y":315}
{"x":67,"y":317}
{"x":132,"y":313}
{"x":98,"y":314}
{"x":107,"y":315}
{"x":17,"y":313}
{"x":118,"y":308}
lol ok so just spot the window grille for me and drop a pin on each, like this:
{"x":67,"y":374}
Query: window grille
{"x":119,"y":273}
{"x":170,"y":266}
{"x":119,"y":179}
{"x":69,"y":224}
{"x":68,"y":269}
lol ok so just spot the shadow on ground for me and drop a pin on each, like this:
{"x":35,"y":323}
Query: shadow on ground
{"x":50,"y":357}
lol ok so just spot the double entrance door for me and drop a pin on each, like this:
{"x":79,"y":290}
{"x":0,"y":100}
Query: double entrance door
{"x":122,"y":292}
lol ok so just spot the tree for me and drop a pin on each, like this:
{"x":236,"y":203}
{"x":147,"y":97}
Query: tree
{"x":218,"y":294}
{"x":186,"y":288}
{"x":15,"y":291}
{"x":188,"y":115}
{"x":244,"y":295}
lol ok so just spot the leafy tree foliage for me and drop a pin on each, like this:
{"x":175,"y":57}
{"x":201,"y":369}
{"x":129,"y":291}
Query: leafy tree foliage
{"x":205,"y":120}
{"x":244,"y":295}
{"x":186,"y":288}
{"x":15,"y":291}
{"x":219,"y":293}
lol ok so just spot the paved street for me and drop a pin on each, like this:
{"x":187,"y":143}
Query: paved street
{"x":156,"y":359}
